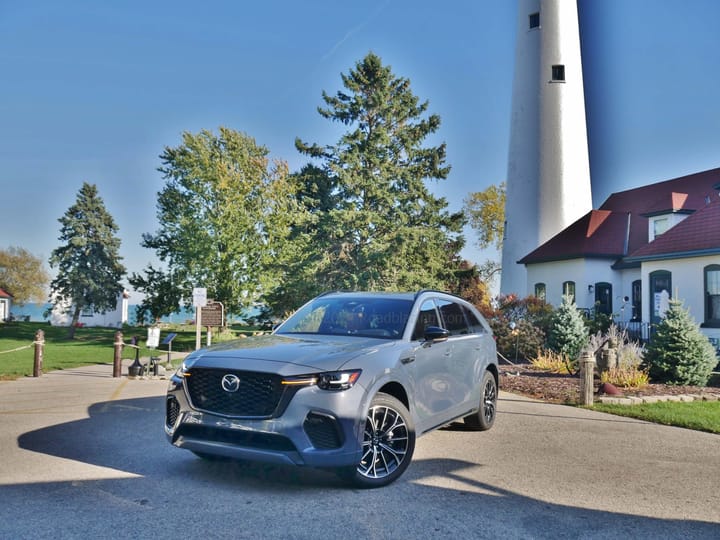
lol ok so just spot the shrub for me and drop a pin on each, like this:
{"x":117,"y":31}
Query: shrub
{"x":568,"y":334}
{"x":679,"y":353}
{"x":531,"y":317}
{"x":551,"y":361}
{"x":626,"y":377}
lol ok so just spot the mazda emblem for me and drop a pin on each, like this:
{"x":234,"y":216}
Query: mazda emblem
{"x":230,"y":383}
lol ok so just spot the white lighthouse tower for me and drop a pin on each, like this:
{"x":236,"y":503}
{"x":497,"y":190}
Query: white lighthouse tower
{"x":548,"y":178}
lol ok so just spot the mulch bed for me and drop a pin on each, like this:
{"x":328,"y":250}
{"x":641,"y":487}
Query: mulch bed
{"x":564,"y":388}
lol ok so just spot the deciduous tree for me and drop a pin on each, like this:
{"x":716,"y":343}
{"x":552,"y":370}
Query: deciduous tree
{"x":223,"y":213}
{"x":486,"y":212}
{"x":88,"y":261}
{"x":23,"y":275}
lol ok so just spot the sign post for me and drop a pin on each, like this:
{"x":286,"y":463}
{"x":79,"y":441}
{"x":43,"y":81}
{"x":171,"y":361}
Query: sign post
{"x":213,"y":314}
{"x":199,"y":301}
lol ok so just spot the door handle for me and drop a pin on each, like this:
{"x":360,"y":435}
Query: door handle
{"x":407,"y":359}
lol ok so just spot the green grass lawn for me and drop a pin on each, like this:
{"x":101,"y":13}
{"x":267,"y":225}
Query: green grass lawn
{"x":91,"y":345}
{"x":697,"y":415}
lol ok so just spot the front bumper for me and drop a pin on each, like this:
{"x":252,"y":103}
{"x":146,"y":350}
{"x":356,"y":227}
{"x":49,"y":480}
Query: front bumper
{"x":318,"y":428}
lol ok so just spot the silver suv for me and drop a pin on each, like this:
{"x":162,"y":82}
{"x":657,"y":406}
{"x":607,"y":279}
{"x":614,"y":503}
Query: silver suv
{"x":348,"y":381}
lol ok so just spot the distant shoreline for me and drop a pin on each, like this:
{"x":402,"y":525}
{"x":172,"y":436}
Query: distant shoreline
{"x":35,"y":312}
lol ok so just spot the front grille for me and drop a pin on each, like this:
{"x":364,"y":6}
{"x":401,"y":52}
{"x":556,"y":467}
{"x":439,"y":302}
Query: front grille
{"x":172,"y":411}
{"x":246,"y":439}
{"x":257,"y":394}
{"x":323,"y":431}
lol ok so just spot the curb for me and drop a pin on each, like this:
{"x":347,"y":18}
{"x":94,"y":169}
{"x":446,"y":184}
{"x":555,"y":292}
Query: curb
{"x":638,"y":400}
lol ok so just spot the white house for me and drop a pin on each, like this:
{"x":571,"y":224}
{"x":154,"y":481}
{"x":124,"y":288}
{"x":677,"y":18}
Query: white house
{"x":114,"y":318}
{"x":640,"y":248}
{"x":5,"y":304}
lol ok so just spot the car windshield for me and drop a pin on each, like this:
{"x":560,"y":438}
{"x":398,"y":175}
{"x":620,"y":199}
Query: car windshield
{"x":356,"y":316}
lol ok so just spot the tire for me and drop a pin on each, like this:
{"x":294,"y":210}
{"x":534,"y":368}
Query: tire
{"x":484,"y":418}
{"x":387,"y":446}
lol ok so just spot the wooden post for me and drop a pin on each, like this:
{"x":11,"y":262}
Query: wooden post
{"x":117,"y":357}
{"x":39,"y":345}
{"x":587,"y":374}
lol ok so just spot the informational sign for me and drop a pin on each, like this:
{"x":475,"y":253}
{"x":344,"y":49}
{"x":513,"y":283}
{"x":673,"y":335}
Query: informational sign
{"x":213,"y":314}
{"x":153,"y":339}
{"x":199,"y":296}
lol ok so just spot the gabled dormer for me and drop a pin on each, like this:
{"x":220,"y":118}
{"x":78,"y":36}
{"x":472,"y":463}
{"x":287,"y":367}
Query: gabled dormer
{"x":667,"y":212}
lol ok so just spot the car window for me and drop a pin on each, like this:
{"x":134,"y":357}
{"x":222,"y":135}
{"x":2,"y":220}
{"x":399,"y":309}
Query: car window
{"x":453,"y":318}
{"x":476,"y":327}
{"x":357,"y":316}
{"x":427,"y":316}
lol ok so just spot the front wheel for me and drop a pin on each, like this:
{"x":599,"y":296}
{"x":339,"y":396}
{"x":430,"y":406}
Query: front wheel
{"x":387,"y":446}
{"x":484,"y":418}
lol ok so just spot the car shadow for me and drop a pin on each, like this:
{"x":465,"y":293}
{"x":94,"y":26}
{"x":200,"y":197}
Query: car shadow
{"x":127,"y":435}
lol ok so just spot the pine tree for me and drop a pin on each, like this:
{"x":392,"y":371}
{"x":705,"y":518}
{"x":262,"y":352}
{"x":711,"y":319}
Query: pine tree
{"x":89,"y":267}
{"x":567,"y":334}
{"x":382,"y":228}
{"x":679,"y":353}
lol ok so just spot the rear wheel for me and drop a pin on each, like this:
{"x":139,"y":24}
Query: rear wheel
{"x":387,"y":446}
{"x":484,"y":418}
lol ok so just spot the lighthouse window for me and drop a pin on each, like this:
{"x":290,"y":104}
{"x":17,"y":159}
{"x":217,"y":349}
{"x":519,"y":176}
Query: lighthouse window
{"x":534,"y":20}
{"x":558,"y":72}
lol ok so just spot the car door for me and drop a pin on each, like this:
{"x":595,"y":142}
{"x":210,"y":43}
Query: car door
{"x":436,"y":392}
{"x":461,"y":364}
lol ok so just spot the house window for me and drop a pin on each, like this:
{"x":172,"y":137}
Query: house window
{"x":603,"y":298}
{"x":534,"y":20}
{"x":636,"y":300}
{"x":660,"y":287}
{"x":569,"y":290}
{"x":87,"y":311}
{"x":660,"y":225}
{"x":712,"y":296}
{"x":558,"y":73}
{"x":540,"y":291}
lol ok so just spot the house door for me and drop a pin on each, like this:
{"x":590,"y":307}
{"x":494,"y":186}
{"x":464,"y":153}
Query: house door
{"x":660,"y":287}
{"x":603,"y":298}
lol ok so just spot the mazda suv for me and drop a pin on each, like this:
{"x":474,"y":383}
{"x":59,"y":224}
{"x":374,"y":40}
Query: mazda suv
{"x":347,"y":382}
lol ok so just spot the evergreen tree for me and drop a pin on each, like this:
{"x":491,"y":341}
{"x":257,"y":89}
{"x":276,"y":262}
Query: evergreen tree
{"x":375,"y":224}
{"x":679,"y":353}
{"x":567,"y":334}
{"x":88,"y":262}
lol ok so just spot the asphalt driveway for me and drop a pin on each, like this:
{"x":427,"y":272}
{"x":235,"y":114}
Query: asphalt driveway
{"x":83,"y":455}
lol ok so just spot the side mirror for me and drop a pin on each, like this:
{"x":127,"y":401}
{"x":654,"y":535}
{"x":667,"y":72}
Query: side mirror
{"x":435,"y":333}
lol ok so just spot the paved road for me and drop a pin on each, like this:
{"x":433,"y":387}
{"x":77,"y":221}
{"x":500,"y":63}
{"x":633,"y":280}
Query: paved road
{"x":82,"y":455}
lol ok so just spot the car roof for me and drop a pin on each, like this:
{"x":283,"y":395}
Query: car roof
{"x":400,"y":295}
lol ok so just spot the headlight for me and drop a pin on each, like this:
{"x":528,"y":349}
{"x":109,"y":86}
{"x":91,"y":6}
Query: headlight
{"x":331,"y":380}
{"x":182,"y":371}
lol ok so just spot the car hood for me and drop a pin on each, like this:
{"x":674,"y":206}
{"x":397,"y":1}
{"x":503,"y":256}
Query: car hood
{"x":286,"y":355}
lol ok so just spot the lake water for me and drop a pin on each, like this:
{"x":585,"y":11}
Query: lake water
{"x":35,"y":312}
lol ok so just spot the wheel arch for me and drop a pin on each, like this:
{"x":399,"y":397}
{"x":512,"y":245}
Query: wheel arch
{"x":396,"y":390}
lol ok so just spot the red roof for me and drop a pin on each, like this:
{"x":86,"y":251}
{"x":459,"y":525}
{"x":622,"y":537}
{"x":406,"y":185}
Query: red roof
{"x":4,"y":294}
{"x":620,"y":226}
{"x":695,"y":235}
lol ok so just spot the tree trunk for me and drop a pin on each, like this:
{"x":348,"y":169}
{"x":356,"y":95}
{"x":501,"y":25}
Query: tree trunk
{"x":73,"y":323}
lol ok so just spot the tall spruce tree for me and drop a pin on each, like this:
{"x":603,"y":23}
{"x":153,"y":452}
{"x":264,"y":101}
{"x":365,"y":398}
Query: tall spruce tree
{"x":679,"y":353}
{"x":88,"y":261}
{"x":373,"y":222}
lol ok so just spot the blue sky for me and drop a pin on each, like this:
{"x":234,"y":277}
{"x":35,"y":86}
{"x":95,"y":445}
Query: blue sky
{"x":93,"y":91}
